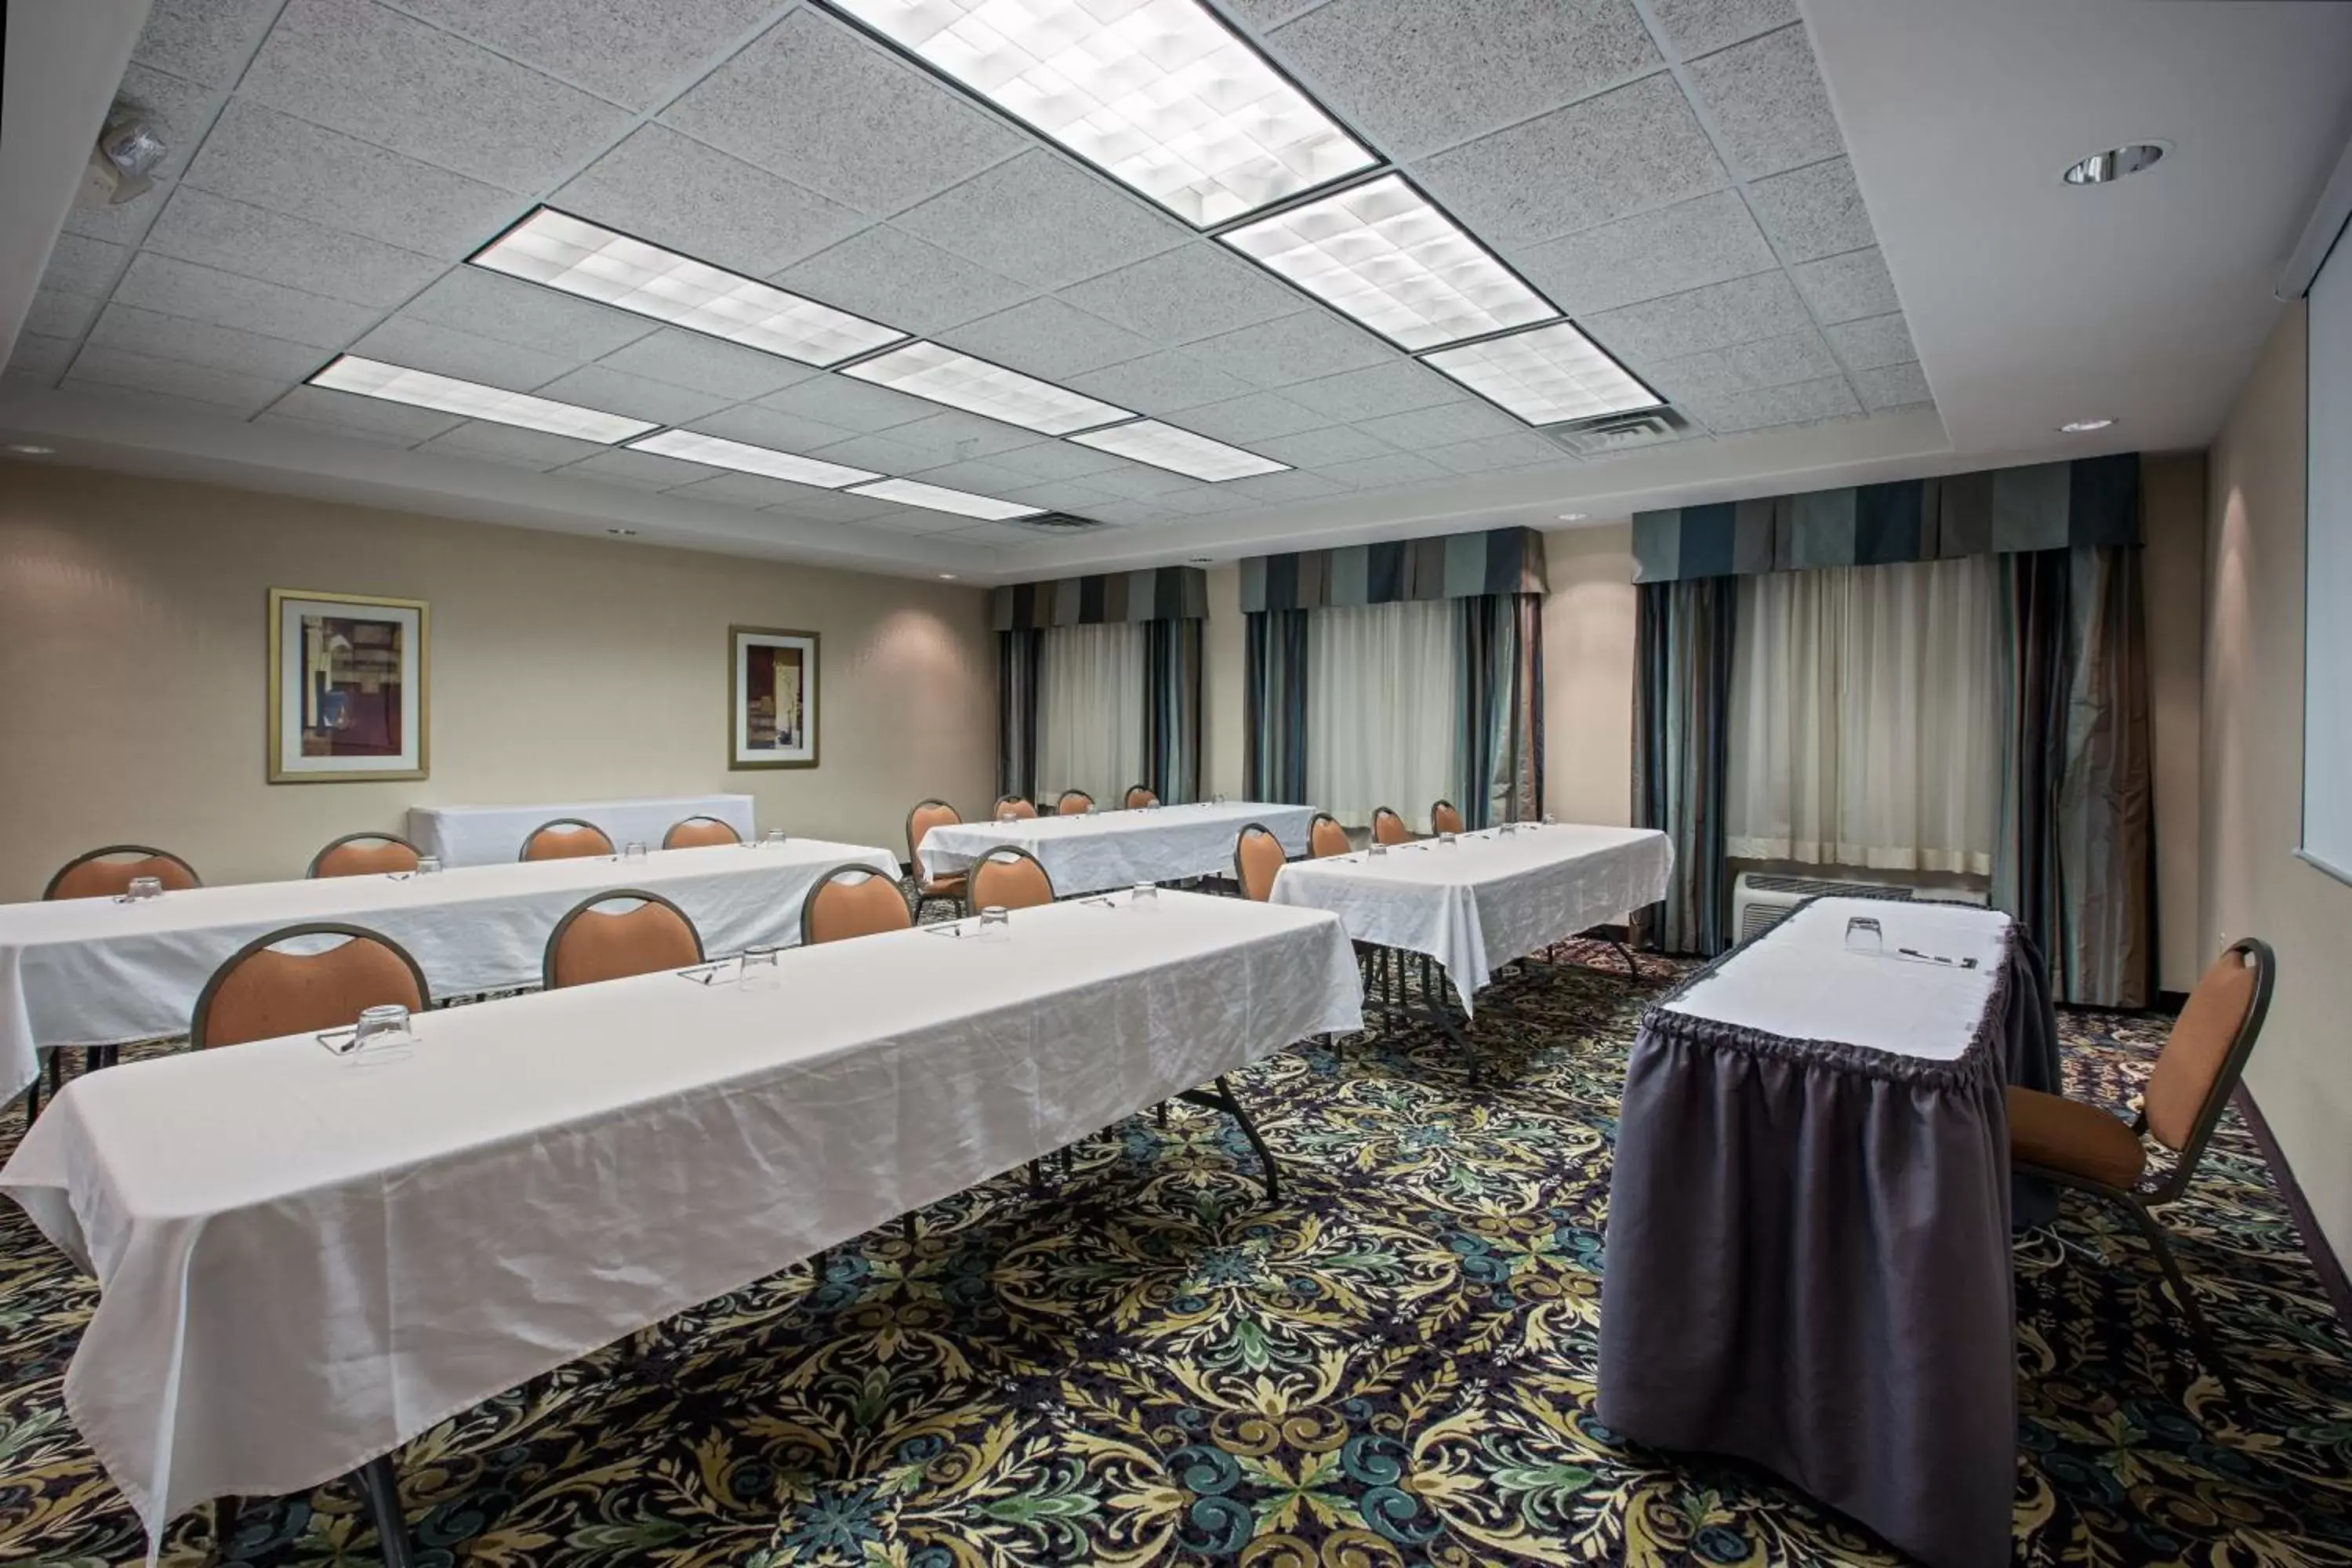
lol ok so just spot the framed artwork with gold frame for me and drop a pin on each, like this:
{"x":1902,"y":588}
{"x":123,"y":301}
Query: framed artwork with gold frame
{"x":349,"y":679}
{"x":772,"y":697}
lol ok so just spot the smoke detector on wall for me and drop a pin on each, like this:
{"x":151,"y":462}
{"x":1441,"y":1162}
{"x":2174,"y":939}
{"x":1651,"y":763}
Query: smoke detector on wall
{"x":126,"y":152}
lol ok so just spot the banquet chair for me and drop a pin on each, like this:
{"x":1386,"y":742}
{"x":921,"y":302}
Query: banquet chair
{"x":2083,"y":1147}
{"x":852,"y":900}
{"x":260,"y":992}
{"x":1258,"y":859}
{"x":1444,"y":817}
{"x":565,"y":838}
{"x":107,"y":873}
{"x":1141,"y":795}
{"x":1073,"y":803}
{"x":700,"y":832}
{"x":1008,"y":878}
{"x":364,"y":854}
{"x":927,"y":814}
{"x":1388,"y":827}
{"x":1018,"y":804}
{"x":1325,"y":835}
{"x":590,"y":944}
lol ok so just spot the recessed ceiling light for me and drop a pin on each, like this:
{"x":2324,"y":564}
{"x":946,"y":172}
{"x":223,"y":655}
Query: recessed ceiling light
{"x":1160,"y":95}
{"x":2085,"y":427}
{"x":622,"y":532}
{"x":720,"y":453}
{"x":2114,"y":164}
{"x":1382,"y":253}
{"x":938,"y":498}
{"x":940,"y":374}
{"x":1574,"y":516}
{"x":581,"y":257}
{"x":423,"y":389}
{"x":947,"y":577}
{"x":1179,"y":451}
{"x":1546,"y":375}
{"x":27,"y":449}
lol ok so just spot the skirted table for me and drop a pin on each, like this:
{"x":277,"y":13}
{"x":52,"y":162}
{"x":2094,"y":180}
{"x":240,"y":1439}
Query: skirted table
{"x":1807,"y":1260}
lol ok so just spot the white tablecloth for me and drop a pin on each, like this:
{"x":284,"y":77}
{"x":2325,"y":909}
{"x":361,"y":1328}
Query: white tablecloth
{"x":86,"y":971}
{"x":1484,"y":899}
{"x":1120,"y":849}
{"x":304,"y":1262}
{"x":485,"y":835}
{"x":1806,"y":984}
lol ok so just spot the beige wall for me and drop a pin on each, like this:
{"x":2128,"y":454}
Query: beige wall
{"x":133,"y":652}
{"x":1224,"y":753}
{"x":2301,"y":1073}
{"x":1588,"y":674}
{"x":2172,"y":488}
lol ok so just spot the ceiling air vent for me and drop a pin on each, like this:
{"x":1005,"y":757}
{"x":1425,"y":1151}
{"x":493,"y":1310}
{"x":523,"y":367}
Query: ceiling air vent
{"x":1616,"y":433}
{"x":1058,"y":523}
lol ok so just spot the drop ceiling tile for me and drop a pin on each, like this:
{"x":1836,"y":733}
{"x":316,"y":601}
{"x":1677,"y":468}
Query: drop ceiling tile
{"x":1419,"y":75}
{"x":255,"y":242}
{"x":224,"y":298}
{"x":1707,"y":240}
{"x":817,"y":103}
{"x":599,"y":386}
{"x":1044,"y":221}
{"x":1159,"y":384}
{"x":1001,"y":536}
{"x":1497,"y":452}
{"x":661,"y":186}
{"x":1046,"y":338}
{"x":125,"y":224}
{"x":888,"y":276}
{"x":1302,"y":346}
{"x":365,"y":415}
{"x":85,"y":267}
{"x":858,"y":406}
{"x":1323,"y":449}
{"x":1184,"y":295}
{"x":879,"y":453}
{"x":1275,"y":490}
{"x":1140,"y":481}
{"x":174,"y":378}
{"x":511,"y":445}
{"x":638,"y":470}
{"x":1387,"y":472}
{"x":952,"y":435}
{"x":1847,"y":288}
{"x":834,"y":505}
{"x":979,"y":476}
{"x":490,"y":305}
{"x":1242,"y":420}
{"x":1813,"y":212}
{"x":1063,"y":496}
{"x":56,"y":315}
{"x":916,"y":520}
{"x":746,"y":489}
{"x":178,"y":111}
{"x":1893,"y":385}
{"x":779,"y":432}
{"x":625,"y":50}
{"x":1205,"y":500}
{"x":470,"y":357}
{"x":1057,"y":460}
{"x":1262,"y":14}
{"x":1441,"y":425}
{"x":1767,"y":362}
{"x":1360,"y":394}
{"x":257,"y":156}
{"x":1624,"y":152}
{"x":1695,"y":27}
{"x":363,"y":69}
{"x":135,"y":330}
{"x":39,"y":359}
{"x":1129,"y":513}
{"x":1697,"y":319}
{"x":1872,"y":343}
{"x":1766,"y":101}
{"x":690,"y":360}
{"x":206,"y":41}
{"x":1804,"y":403}
{"x":270,"y":418}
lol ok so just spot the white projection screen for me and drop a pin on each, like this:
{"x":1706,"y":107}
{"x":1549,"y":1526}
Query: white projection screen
{"x":2327,"y":574}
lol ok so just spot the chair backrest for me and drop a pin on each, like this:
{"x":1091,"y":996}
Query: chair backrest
{"x":590,"y":944}
{"x":1326,"y":836}
{"x":2207,"y":1050}
{"x":927,"y":815}
{"x":1388,"y":827}
{"x":1018,"y":804}
{"x":107,"y":873}
{"x":1257,"y":858}
{"x":364,"y":854}
{"x":1073,"y":803}
{"x":565,"y":838}
{"x":699,"y":833}
{"x":1007,"y":877}
{"x":260,"y":992}
{"x":1444,"y":817}
{"x":852,"y":900}
{"x":1141,"y":795}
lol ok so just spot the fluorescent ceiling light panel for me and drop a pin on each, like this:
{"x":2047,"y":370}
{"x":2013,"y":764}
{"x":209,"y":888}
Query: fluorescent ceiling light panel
{"x":423,"y":389}
{"x":1158,"y":94}
{"x":1380,"y":252}
{"x":1179,"y":451}
{"x":943,"y":375}
{"x":581,"y":257}
{"x":720,"y":453}
{"x":1547,"y":375}
{"x":963,"y":503}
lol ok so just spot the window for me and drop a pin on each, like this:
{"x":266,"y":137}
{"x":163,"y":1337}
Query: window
{"x":1090,"y":711}
{"x":1383,"y":725}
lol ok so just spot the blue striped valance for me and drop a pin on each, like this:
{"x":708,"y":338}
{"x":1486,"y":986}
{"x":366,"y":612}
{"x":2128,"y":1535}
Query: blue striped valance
{"x":1153,"y":593}
{"x":2042,"y":506}
{"x":1453,"y":567}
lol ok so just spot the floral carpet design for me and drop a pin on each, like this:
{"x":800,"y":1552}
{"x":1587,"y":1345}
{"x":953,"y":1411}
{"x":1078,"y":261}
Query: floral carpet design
{"x":1393,"y":1366}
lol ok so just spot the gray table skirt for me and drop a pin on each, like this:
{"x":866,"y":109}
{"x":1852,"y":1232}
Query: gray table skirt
{"x":1808,"y":1264}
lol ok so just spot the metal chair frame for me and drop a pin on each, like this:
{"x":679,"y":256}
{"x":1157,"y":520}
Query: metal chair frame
{"x":642,"y":896}
{"x":357,"y":839}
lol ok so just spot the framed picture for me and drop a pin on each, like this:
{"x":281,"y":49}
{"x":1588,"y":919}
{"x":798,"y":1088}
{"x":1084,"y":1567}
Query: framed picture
{"x":771,"y":712}
{"x":348,"y":679}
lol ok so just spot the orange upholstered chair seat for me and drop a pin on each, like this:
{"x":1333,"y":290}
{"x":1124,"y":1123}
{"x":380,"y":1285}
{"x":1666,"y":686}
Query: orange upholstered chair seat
{"x":1010,"y":879}
{"x":1327,"y":836}
{"x":700,"y":832}
{"x":591,"y":944}
{"x":366,"y":855}
{"x":1444,"y":817}
{"x":853,"y":902}
{"x":1257,"y":859}
{"x":262,"y":992}
{"x":2060,"y":1134}
{"x":566,"y":841}
{"x":1388,"y":827}
{"x":101,"y":875}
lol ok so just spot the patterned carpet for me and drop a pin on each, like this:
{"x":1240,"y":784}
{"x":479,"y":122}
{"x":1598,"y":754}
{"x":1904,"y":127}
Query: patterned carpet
{"x":1394,"y":1367}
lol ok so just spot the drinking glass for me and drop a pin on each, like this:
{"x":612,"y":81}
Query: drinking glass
{"x":1220,"y":798}
{"x":426,"y":865}
{"x":382,"y":1032}
{"x":774,"y":838}
{"x":1146,"y":893}
{"x":759,"y":971}
{"x":1376,"y":849}
{"x":1864,"y":934}
{"x":144,"y":888}
{"x":634,"y":850}
{"x":1549,"y":820}
{"x":1446,"y":838}
{"x":995,"y":923}
{"x":1007,"y":818}
{"x":1505,"y":829}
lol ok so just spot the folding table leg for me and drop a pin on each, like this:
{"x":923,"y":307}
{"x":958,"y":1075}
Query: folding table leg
{"x":32,"y":1100}
{"x":380,"y":1486}
{"x":1433,"y":1002}
{"x":1224,"y":1099}
{"x":1624,"y":953}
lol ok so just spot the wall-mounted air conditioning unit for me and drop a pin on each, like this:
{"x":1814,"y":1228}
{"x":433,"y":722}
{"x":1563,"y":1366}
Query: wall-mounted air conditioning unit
{"x":1760,"y":901}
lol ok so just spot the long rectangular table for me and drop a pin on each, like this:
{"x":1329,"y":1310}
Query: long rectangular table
{"x":1118,"y":849}
{"x":1809,"y":1252}
{"x":487,"y":834}
{"x":93,"y":972}
{"x":305,"y":1260}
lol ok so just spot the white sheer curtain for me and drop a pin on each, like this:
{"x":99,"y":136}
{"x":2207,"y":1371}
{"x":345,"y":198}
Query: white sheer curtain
{"x":1090,"y":711}
{"x":1382,"y":700}
{"x":1865,"y":717}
